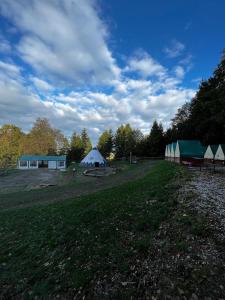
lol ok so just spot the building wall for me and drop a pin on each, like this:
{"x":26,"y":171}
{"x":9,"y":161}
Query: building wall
{"x":31,"y":165}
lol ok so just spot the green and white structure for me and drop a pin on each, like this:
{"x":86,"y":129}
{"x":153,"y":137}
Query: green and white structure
{"x":26,"y":162}
{"x":220,"y":154}
{"x":189,"y":151}
{"x":210,"y":153}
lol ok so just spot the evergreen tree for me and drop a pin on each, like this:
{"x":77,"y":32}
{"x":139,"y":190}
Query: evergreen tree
{"x":86,"y":142}
{"x":204,"y":118}
{"x":105,"y":143}
{"x":156,"y":140}
{"x":127,"y":140}
{"x":76,"y":148}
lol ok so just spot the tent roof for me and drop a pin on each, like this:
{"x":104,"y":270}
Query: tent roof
{"x":223,"y":147}
{"x":43,"y":157}
{"x":173,"y":145}
{"x":214,"y":148}
{"x":191,"y":148}
{"x":93,"y":156}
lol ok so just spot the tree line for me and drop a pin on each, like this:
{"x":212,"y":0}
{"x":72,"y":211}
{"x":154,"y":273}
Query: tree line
{"x":204,"y":117}
{"x":43,"y":139}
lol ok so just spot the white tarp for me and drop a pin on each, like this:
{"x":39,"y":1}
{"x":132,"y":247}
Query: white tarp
{"x":93,"y":158}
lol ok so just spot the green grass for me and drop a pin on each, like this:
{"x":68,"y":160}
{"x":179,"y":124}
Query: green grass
{"x":71,"y":186}
{"x":62,"y":248}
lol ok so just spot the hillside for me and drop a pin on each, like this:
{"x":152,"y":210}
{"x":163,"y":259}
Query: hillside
{"x":133,"y":241}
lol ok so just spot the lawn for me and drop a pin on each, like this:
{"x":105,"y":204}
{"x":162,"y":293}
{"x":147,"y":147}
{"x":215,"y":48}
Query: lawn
{"x":86,"y":246}
{"x":15,"y":187}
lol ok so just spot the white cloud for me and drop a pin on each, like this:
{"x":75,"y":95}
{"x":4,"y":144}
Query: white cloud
{"x":41,"y":84}
{"x":179,"y":72}
{"x":5,"y":46}
{"x":65,"y":44}
{"x":65,"y":39}
{"x":145,"y":65}
{"x":175,"y":49}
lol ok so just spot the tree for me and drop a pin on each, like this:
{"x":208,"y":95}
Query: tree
{"x":76,"y":148}
{"x":105,"y":143}
{"x":156,"y":140}
{"x":127,"y":140}
{"x":86,"y":142}
{"x":10,"y":145}
{"x":203,"y":118}
{"x":62,"y":144}
{"x":41,"y":140}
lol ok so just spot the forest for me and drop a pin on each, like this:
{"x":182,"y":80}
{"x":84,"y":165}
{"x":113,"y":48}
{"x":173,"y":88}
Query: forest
{"x":203,"y":118}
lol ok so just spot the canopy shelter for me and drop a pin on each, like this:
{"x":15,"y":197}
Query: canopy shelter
{"x":41,"y":161}
{"x":189,"y":151}
{"x":220,"y":154}
{"x":94,"y":159}
{"x":210,"y":152}
{"x":172,"y":152}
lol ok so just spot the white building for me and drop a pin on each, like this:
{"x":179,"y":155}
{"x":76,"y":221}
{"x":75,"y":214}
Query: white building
{"x":40,"y":161}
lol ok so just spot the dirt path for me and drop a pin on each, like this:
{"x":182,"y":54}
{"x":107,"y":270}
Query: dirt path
{"x":76,"y":186}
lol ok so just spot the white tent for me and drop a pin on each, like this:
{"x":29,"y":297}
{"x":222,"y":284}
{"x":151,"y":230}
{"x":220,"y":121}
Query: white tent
{"x":94,"y":159}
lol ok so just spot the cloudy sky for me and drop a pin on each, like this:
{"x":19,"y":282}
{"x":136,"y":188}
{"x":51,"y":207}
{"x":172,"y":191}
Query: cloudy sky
{"x":98,"y":64}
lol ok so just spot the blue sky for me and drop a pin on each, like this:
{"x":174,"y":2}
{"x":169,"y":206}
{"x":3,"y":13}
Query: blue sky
{"x":98,"y":64}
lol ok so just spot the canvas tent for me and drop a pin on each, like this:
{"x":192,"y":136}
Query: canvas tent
{"x":169,"y":152}
{"x":41,"y":161}
{"x":166,"y":152}
{"x":190,"y":151}
{"x":220,"y":154}
{"x":172,"y":152}
{"x":210,"y":152}
{"x":94,"y":159}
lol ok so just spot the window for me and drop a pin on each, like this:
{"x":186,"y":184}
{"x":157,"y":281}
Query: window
{"x":33,"y":164}
{"x":61,"y":163}
{"x":23,"y":163}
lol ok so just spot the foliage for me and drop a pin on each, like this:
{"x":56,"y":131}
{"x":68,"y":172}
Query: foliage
{"x":86,"y":142}
{"x":76,"y":148}
{"x":127,"y":140}
{"x":105,"y":143}
{"x":41,"y":139}
{"x":10,"y":139}
{"x":204,"y":117}
{"x":156,"y":141}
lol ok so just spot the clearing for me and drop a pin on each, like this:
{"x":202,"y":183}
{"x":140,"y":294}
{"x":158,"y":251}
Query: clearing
{"x":157,"y":237}
{"x":19,"y":188}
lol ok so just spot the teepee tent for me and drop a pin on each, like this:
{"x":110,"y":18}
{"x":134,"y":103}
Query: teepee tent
{"x":93,"y":159}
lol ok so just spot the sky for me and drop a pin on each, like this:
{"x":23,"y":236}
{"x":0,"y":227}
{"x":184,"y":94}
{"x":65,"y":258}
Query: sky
{"x":99,"y":64}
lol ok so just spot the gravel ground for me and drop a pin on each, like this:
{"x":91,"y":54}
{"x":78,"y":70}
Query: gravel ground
{"x":209,"y":189}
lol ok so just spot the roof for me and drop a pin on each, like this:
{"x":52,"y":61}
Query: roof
{"x":93,"y":156}
{"x":43,"y":157}
{"x":214,"y":148}
{"x":223,"y":147}
{"x":173,"y":146}
{"x":191,"y":148}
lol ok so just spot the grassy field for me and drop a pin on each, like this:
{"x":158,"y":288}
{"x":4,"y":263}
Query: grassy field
{"x":15,"y":193}
{"x":86,"y":246}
